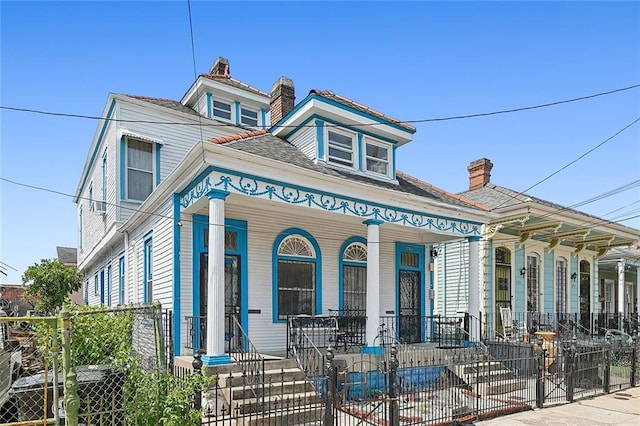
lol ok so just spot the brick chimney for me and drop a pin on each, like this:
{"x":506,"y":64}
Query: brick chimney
{"x":282,"y":99}
{"x":220,"y":66}
{"x":479,"y":173}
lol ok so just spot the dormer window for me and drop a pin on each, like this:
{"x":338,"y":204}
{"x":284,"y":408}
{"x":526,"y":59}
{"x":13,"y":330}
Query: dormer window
{"x":377,"y":159}
{"x":341,"y":148}
{"x":249,"y":117}
{"x":221,"y":110}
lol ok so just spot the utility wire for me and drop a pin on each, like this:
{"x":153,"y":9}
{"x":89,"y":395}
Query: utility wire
{"x":592,"y":225}
{"x":568,"y":164}
{"x":425,"y":120}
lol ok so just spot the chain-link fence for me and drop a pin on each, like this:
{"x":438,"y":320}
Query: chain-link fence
{"x":30,"y":385}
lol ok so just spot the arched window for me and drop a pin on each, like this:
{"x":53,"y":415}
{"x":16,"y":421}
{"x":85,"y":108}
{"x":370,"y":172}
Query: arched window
{"x":296,"y":274}
{"x":561,"y":286}
{"x":354,"y":276}
{"x":533,"y":283}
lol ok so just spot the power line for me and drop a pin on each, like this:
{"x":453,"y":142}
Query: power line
{"x":425,"y":120}
{"x":568,"y":164}
{"x":591,"y":225}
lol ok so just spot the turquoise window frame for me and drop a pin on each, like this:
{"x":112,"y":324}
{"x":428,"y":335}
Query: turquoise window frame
{"x":155,"y":170}
{"x":102,"y":277}
{"x":147,"y":269}
{"x":104,"y":176}
{"x":91,"y":197}
{"x":274,"y":266}
{"x":121,"y":272}
{"x":200,"y":225}
{"x":342,"y":263}
{"x":108,"y":285}
{"x":80,"y":236}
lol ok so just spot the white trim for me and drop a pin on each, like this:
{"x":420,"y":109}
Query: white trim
{"x":129,"y":134}
{"x":367,"y":140}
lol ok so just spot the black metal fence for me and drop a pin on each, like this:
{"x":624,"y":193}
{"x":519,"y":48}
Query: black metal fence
{"x":409,"y":385}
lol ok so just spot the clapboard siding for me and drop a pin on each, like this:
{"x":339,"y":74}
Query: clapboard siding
{"x":263,"y":228}
{"x":305,"y":141}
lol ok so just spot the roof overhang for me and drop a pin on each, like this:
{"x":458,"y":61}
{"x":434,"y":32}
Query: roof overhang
{"x":342,"y":115}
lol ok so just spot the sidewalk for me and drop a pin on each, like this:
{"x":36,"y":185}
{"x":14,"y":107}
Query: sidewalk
{"x":619,"y":408}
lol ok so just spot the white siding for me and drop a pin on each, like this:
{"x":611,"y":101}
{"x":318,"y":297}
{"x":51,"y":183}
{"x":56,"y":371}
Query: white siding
{"x":305,"y":141}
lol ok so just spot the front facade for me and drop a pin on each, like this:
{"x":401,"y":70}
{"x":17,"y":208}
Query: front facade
{"x":235,"y":203}
{"x":541,"y":260}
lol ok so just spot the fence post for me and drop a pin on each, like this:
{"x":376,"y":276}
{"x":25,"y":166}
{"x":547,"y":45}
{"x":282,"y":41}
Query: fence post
{"x":197,"y":369}
{"x":607,"y":369}
{"x":541,"y":354}
{"x":71,"y":398}
{"x":331,"y":387}
{"x":570,"y":353}
{"x":394,"y":411}
{"x":634,"y":354}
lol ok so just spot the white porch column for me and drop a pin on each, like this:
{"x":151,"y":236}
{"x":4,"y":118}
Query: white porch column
{"x":215,"y":289}
{"x":373,"y":284}
{"x":620,"y":292}
{"x":474,"y":288}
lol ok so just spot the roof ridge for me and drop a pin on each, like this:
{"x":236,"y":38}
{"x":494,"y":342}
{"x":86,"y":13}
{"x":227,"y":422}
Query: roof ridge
{"x":447,"y":193}
{"x":221,"y":140}
{"x":362,"y":107}
{"x":150,"y":97}
{"x":235,"y":80}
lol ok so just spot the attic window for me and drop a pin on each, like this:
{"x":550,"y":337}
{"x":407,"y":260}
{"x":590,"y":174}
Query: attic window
{"x":377,"y":159}
{"x":221,"y":110}
{"x":340,"y":148}
{"x":249,"y":117}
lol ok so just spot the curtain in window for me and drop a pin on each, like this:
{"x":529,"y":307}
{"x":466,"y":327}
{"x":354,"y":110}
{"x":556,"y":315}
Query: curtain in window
{"x":139,"y":170}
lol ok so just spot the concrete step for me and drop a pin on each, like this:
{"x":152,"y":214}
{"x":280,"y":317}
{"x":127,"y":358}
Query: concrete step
{"x":480,"y":367}
{"x":310,"y":415}
{"x":275,"y":388}
{"x":501,"y":387}
{"x":276,"y":403}
{"x":233,"y":379}
{"x":239,"y":366}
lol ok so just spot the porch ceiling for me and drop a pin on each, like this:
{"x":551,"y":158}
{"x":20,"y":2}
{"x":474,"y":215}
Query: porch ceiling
{"x":554,"y":232}
{"x":241,"y":207}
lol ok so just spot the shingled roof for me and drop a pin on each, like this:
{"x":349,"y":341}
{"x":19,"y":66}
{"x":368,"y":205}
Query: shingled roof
{"x":166,"y":103}
{"x":328,"y":94}
{"x":274,"y":148}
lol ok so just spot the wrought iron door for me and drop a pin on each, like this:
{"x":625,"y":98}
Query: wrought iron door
{"x":409,"y":298}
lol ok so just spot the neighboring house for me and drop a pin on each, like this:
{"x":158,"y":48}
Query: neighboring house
{"x":68,"y":256}
{"x":12,"y":300}
{"x":539,"y":258}
{"x":237,"y":202}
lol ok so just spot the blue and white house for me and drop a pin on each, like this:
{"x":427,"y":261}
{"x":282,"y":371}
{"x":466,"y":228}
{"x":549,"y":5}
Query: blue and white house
{"x":539,"y":258}
{"x":237,"y":202}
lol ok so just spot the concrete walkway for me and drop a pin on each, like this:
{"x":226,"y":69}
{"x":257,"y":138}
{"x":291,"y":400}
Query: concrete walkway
{"x":621,"y":408}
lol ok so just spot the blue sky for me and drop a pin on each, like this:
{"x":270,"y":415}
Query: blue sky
{"x":413,"y":61}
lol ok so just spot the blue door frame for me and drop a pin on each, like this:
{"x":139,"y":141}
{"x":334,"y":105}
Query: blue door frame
{"x":200,"y":225}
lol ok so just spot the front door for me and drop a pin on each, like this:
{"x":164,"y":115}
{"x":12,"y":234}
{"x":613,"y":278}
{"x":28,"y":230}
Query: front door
{"x":232,"y":335}
{"x":409,"y":297}
{"x":232,"y":300}
{"x":503,"y":283}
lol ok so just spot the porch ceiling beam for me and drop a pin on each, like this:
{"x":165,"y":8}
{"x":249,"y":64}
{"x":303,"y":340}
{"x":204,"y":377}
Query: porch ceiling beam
{"x":528,"y":231}
{"x":493,"y":227}
{"x":541,"y":227}
{"x":570,"y":234}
